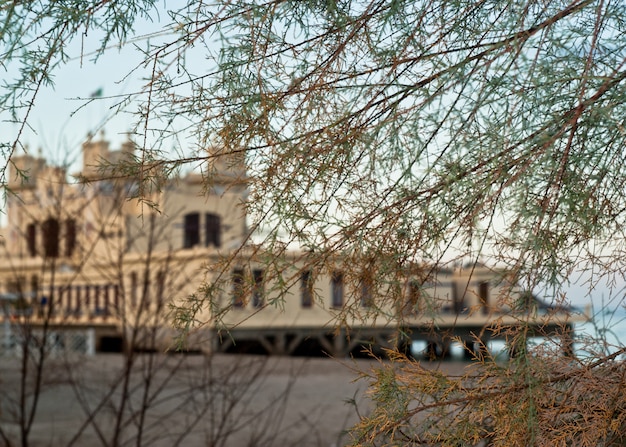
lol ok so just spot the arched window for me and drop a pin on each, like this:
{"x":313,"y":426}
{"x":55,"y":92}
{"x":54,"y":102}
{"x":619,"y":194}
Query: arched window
{"x":51,"y":238}
{"x":191,"y":230}
{"x":212,"y":230}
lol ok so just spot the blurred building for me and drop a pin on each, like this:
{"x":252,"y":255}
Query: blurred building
{"x":128,"y":255}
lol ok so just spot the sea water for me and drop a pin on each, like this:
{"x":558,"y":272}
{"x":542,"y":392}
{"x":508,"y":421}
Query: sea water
{"x":604,"y":334}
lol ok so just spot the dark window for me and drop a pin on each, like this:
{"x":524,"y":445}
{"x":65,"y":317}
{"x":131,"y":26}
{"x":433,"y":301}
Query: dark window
{"x":192,"y":230}
{"x":337,"y":289}
{"x":31,"y":239}
{"x":61,"y":303}
{"x":51,"y":238}
{"x":145,"y":290}
{"x":366,"y":287}
{"x":77,"y":297}
{"x":258,"y":293}
{"x":96,"y":300}
{"x":51,"y":300}
{"x":107,"y":301}
{"x":34,"y":286}
{"x":70,"y":236}
{"x":457,"y":298}
{"x":528,"y":301}
{"x":238,"y":288}
{"x":87,"y":299}
{"x":133,"y":289}
{"x":212,"y":230}
{"x":116,"y":297}
{"x":306,"y":288}
{"x":68,"y":302}
{"x":160,"y":287}
{"x":483,"y":294}
{"x":414,"y":303}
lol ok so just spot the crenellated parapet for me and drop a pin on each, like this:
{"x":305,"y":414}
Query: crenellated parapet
{"x":99,"y":161}
{"x":24,"y":171}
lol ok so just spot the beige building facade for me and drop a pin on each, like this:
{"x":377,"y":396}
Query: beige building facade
{"x":134,"y":258}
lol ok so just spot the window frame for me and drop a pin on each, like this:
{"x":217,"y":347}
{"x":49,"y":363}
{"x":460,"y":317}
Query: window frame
{"x":366,"y":290}
{"x":212,"y":230}
{"x":51,"y":231}
{"x":306,"y":289}
{"x":191,"y":230}
{"x":258,"y":289}
{"x":337,"y":288}
{"x":31,"y":239}
{"x":238,"y":288}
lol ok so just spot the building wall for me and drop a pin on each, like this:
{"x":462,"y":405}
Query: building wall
{"x":122,"y":258}
{"x":92,"y":250}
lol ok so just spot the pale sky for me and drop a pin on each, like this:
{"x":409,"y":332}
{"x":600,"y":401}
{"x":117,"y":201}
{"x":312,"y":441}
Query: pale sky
{"x":62,"y":117}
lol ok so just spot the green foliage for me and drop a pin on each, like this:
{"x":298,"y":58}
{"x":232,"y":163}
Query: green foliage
{"x":390,"y":133}
{"x":537,"y":400}
{"x":34,"y":36}
{"x":434,"y":131}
